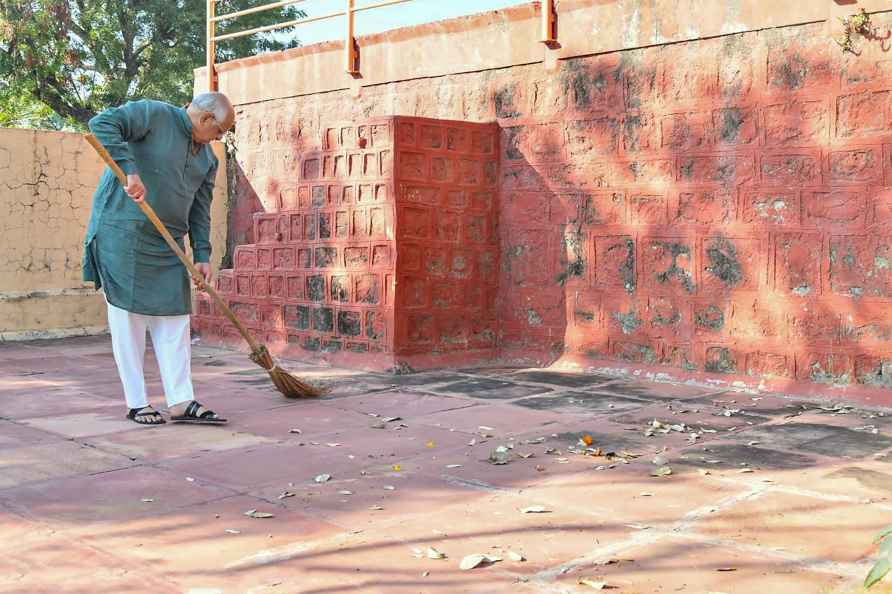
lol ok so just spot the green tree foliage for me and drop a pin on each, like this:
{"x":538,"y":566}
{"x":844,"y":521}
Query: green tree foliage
{"x":65,"y":60}
{"x":19,"y":110}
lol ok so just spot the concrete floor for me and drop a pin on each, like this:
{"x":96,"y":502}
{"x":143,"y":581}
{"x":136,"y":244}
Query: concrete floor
{"x":766,"y":493}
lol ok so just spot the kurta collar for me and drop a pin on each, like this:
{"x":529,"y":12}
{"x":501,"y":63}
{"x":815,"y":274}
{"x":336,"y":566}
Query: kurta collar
{"x":185,"y":122}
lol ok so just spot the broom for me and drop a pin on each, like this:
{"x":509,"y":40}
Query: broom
{"x":286,"y":383}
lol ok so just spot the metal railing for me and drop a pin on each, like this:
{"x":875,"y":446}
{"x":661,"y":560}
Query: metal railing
{"x":351,"y":51}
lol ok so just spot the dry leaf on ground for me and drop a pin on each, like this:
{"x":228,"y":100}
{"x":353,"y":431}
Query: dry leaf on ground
{"x":661,"y":471}
{"x":253,"y":513}
{"x":535,"y":509}
{"x":499,"y":456}
{"x":479,"y":560}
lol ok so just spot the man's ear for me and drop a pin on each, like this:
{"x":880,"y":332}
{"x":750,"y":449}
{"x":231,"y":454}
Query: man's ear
{"x":206,"y":116}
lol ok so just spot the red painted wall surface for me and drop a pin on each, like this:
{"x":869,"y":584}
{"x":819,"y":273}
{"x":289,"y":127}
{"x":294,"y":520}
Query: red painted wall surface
{"x":397,"y":198}
{"x":718,"y":205}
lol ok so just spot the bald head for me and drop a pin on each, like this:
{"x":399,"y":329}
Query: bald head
{"x":212,"y":116}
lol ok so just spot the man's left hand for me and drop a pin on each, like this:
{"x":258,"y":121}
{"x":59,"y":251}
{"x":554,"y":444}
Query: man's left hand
{"x":205,"y":269}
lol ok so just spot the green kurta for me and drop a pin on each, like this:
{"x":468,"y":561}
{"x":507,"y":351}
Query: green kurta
{"x":123,"y":252}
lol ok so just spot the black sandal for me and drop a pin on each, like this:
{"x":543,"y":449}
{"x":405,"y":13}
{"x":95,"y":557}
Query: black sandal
{"x":149,"y":417}
{"x":190,"y":415}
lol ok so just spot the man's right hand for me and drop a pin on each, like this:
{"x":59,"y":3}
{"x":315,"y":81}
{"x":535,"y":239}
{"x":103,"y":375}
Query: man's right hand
{"x":134,"y":188}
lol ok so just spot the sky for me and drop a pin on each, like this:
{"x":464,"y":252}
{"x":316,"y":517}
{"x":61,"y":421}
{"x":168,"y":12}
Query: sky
{"x":388,"y":17}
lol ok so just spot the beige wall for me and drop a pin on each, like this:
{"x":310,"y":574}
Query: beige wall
{"x":46,"y":187}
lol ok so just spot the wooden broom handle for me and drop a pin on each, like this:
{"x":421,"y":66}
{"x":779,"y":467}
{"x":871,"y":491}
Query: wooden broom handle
{"x":150,"y":213}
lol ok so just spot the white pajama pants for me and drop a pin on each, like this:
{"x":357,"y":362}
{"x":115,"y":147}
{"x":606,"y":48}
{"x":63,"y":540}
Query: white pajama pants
{"x":173,"y":350}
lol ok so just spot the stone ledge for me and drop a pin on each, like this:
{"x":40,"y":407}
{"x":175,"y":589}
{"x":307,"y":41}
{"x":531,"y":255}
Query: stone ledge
{"x":52,"y":313}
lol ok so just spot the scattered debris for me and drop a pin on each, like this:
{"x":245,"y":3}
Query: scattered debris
{"x":322,"y":478}
{"x":231,"y":531}
{"x":535,"y":509}
{"x":433,"y":553}
{"x":516,"y":556}
{"x":615,"y":561}
{"x":661,"y":471}
{"x":499,"y":456}
{"x":253,"y":513}
{"x":838,"y":409}
{"x":479,"y":560}
{"x":285,"y":494}
{"x":656,"y":427}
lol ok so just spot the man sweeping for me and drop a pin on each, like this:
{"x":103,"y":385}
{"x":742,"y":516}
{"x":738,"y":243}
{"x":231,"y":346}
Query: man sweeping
{"x":164,"y":152}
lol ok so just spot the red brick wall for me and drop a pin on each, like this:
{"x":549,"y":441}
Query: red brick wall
{"x":318,"y":278}
{"x":379,"y":200}
{"x":717,"y":205}
{"x":714,"y":206}
{"x":447,"y":240}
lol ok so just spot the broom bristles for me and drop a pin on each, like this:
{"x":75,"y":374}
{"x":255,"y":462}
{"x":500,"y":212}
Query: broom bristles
{"x":287,"y":384}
